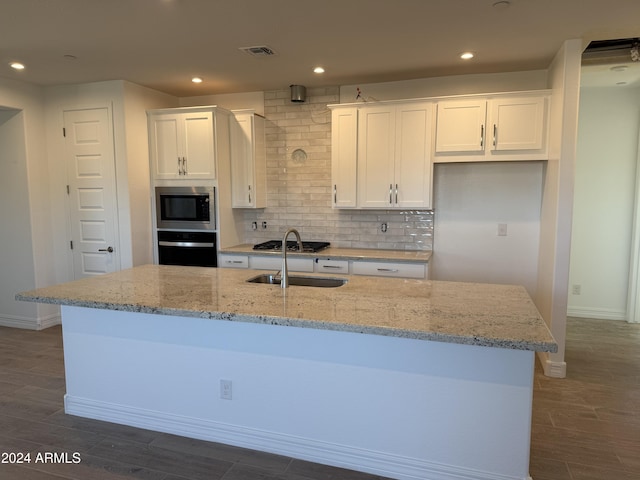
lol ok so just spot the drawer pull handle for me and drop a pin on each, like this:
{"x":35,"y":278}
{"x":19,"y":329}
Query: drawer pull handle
{"x":331,"y":266}
{"x":388,"y":270}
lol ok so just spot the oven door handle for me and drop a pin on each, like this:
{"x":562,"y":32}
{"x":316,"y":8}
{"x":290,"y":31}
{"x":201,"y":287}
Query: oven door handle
{"x":163,"y":243}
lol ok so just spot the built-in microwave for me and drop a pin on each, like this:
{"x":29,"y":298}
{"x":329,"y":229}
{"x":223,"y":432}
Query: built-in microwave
{"x":186,"y":208}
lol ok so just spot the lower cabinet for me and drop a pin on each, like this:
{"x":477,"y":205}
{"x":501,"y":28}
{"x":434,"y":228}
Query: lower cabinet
{"x":387,"y":269}
{"x":327,"y":265}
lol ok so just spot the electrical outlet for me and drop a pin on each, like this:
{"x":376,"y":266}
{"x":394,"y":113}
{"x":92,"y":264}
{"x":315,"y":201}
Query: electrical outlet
{"x":575,"y":289}
{"x":264,"y":225}
{"x":225,"y":390}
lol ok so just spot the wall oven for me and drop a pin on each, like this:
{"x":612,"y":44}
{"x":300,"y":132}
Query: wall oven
{"x":186,"y":208}
{"x":187,"y":248}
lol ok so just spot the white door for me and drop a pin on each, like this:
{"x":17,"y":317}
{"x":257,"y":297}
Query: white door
{"x":90,"y":160}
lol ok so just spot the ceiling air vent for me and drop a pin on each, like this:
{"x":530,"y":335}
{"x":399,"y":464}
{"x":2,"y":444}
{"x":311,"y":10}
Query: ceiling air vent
{"x":259,"y":51}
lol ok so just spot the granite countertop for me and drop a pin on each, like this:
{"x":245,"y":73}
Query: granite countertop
{"x":502,"y":316}
{"x":413,"y":256}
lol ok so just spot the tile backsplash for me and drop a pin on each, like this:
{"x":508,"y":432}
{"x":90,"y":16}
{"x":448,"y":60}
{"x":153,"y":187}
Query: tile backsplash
{"x":299,"y":188}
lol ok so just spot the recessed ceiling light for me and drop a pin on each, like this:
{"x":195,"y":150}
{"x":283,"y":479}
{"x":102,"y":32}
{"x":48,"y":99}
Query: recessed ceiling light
{"x":619,"y":68}
{"x":466,"y":55}
{"x":501,"y":5}
{"x":16,"y":66}
{"x":318,"y":70}
{"x":196,"y":80}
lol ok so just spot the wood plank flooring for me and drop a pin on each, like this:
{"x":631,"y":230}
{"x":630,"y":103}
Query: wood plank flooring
{"x":585,"y":427}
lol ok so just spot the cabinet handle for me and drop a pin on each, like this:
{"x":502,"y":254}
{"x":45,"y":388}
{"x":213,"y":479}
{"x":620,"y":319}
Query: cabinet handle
{"x":396,"y":193}
{"x":234,"y":261}
{"x":249,"y":193}
{"x":179,"y":166}
{"x":390,"y":194}
{"x":331,"y":266}
{"x":184,"y":165}
{"x":388,"y":270}
{"x":495,"y":135}
{"x":481,"y":136}
{"x":335,"y":193}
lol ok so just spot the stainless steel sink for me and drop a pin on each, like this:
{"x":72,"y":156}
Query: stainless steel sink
{"x":325,"y":282}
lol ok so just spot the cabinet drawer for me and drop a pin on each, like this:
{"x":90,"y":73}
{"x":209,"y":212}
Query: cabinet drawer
{"x":385,"y":269}
{"x":331,"y":266}
{"x":233,"y":261}
{"x":275,"y":263}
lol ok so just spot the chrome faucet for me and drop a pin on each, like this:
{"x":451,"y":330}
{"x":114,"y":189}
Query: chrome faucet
{"x":284,"y":273}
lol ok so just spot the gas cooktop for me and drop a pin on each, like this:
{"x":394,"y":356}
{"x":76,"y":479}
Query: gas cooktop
{"x":292,"y":246}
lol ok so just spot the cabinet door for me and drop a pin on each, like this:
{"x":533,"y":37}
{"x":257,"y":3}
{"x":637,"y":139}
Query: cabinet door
{"x":198,"y":149}
{"x":344,"y":142}
{"x":517,"y":123}
{"x":376,"y":151}
{"x":242,"y":162}
{"x":460,"y":126}
{"x":413,"y":167}
{"x":164,"y":145}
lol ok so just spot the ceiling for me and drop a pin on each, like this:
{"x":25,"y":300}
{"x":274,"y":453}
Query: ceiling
{"x":162,"y":44}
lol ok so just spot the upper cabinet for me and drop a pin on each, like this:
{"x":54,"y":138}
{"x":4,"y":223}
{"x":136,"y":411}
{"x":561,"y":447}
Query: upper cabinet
{"x":181,"y":143}
{"x":344,"y":148}
{"x":248,"y":160}
{"x":381,"y":155}
{"x":394,"y":156}
{"x":504,"y":127}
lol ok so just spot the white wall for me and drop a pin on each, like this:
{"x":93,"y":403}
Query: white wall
{"x":607,"y":152}
{"x":470,"y":200}
{"x":127,"y":104}
{"x":557,"y":201}
{"x":26,"y":253}
{"x":444,"y":86}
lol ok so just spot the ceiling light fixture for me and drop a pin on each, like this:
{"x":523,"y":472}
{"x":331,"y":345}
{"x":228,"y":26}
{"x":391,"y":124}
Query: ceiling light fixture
{"x":16,"y":65}
{"x":318,"y":70}
{"x":466,"y":56}
{"x":196,"y":80}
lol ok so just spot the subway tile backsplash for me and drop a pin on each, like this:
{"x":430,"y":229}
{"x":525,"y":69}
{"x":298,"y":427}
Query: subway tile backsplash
{"x":299,"y":190}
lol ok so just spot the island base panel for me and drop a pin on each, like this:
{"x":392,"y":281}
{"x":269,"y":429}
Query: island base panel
{"x":397,"y":407}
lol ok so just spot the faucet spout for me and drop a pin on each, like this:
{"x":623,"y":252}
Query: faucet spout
{"x":284,"y":275}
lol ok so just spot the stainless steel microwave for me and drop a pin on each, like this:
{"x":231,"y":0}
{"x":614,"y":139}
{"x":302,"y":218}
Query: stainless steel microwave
{"x":186,"y":208}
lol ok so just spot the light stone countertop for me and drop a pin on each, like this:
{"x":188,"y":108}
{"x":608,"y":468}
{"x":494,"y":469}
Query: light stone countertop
{"x":399,"y":256}
{"x":502,"y":316}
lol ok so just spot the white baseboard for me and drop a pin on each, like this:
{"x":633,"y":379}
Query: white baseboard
{"x":374,"y":462}
{"x":597,"y":313}
{"x":29,"y":323}
{"x":552,"y":369}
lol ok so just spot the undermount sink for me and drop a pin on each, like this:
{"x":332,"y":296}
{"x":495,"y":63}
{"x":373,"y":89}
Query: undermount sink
{"x":326,"y":282}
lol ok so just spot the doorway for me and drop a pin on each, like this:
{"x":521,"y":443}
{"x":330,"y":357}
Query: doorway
{"x":91,"y":190}
{"x":605,"y":249}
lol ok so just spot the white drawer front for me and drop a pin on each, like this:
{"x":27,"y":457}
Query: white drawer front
{"x":233,"y":261}
{"x":331,"y":266}
{"x":384,"y":269}
{"x":275,"y":263}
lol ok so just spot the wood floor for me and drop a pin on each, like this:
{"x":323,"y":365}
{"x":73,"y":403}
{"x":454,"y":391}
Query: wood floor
{"x":585,"y":427}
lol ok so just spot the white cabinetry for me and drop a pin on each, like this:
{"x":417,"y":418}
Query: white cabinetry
{"x":294,"y":264}
{"x":233,"y":261}
{"x":344,"y":141}
{"x":181,"y":143}
{"x":248,"y":161}
{"x":502,"y":127}
{"x":330,"y":265}
{"x":394,"y":163}
{"x":387,"y":269}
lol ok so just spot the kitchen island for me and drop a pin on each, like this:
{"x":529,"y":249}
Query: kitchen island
{"x":409,"y":379}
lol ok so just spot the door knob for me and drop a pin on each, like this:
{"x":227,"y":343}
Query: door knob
{"x":108,"y":249}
